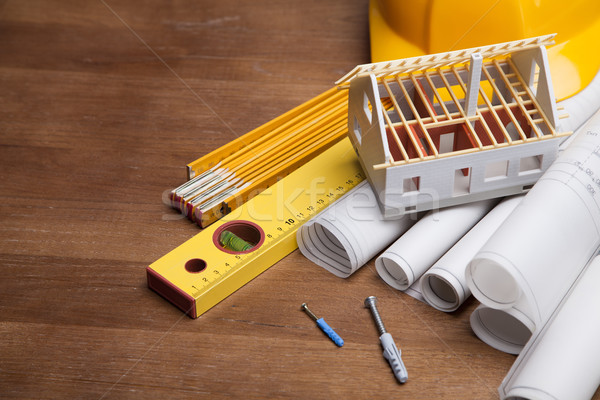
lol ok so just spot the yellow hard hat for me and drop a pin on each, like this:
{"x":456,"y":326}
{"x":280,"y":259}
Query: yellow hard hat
{"x":407,"y":28}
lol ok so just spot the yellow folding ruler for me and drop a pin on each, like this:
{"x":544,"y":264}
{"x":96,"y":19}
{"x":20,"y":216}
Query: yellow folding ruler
{"x":201,"y":272}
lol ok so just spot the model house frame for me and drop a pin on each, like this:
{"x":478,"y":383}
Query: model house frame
{"x":454,"y":127}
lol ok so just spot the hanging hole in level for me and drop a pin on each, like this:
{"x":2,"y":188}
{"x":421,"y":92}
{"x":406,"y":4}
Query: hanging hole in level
{"x":195,"y":265}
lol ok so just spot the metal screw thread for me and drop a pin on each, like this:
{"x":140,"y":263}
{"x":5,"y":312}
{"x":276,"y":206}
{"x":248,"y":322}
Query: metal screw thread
{"x":370,"y":302}
{"x":310,"y":313}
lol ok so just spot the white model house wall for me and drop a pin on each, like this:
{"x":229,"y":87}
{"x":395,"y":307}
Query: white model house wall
{"x":442,"y":182}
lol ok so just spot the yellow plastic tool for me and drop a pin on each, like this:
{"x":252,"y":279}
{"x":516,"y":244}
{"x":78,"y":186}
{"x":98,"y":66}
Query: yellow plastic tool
{"x":202,"y":271}
{"x":408,"y":28}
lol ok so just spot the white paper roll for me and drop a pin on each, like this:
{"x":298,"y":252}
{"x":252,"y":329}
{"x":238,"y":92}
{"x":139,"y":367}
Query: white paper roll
{"x":562,"y":361}
{"x":444,"y":285}
{"x":581,"y":107}
{"x":505,"y":330}
{"x":422,"y":245}
{"x":350,"y":232}
{"x":537,"y":253}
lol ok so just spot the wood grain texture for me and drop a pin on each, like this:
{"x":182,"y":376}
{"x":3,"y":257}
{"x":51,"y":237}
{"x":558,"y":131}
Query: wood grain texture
{"x":102,"y":105}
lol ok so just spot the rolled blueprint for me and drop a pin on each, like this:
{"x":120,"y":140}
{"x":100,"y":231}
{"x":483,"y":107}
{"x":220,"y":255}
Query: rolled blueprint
{"x":562,"y":361}
{"x":538,"y":252}
{"x":444,"y":285}
{"x":350,"y":232}
{"x":581,"y":107}
{"x":509,"y":329}
{"x":422,"y":245}
{"x":506,"y":330}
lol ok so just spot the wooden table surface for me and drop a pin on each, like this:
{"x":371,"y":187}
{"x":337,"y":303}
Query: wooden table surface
{"x":102,"y":104}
